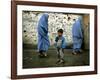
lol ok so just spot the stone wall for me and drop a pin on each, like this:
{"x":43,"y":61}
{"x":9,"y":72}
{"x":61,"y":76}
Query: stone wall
{"x":55,"y":22}
{"x":86,"y":31}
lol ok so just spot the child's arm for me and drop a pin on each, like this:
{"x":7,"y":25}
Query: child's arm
{"x":63,"y":43}
{"x":56,"y":40}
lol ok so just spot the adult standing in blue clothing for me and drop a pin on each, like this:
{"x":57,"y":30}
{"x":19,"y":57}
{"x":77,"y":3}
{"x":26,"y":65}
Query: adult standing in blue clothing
{"x":77,"y":33}
{"x":43,"y":39}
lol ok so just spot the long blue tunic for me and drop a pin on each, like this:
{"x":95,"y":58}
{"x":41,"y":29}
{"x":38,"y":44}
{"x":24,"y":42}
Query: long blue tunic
{"x":77,"y":34}
{"x":43,"y":39}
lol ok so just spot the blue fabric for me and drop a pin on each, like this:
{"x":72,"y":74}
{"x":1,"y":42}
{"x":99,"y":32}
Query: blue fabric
{"x":77,"y":43}
{"x":63,"y":44}
{"x":77,"y":34}
{"x":77,"y":29}
{"x":43,"y":39}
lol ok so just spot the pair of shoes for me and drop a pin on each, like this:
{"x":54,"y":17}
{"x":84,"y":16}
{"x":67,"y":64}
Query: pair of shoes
{"x":74,"y":53}
{"x":79,"y":52}
{"x":60,"y":61}
{"x":45,"y":54}
{"x":42,"y":55}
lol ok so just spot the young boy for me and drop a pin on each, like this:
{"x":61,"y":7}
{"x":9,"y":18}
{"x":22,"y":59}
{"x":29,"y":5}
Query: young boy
{"x":60,"y":45}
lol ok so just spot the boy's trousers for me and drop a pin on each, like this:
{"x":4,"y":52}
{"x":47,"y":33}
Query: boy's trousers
{"x":60,"y":53}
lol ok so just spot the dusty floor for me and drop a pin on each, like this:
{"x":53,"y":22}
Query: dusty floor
{"x":31,"y":59}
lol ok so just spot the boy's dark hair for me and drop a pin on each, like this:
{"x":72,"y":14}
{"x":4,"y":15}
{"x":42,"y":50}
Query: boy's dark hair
{"x":60,"y":30}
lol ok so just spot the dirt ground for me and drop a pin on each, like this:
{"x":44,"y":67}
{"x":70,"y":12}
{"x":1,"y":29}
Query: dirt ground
{"x":31,"y":59}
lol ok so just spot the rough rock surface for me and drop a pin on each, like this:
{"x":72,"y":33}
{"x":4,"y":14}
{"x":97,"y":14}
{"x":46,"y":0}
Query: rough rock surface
{"x":55,"y":22}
